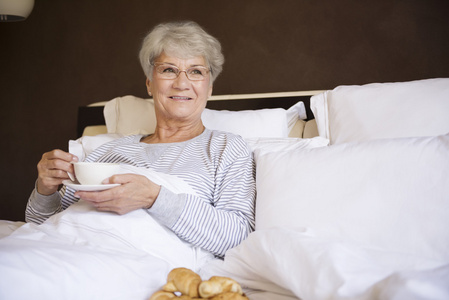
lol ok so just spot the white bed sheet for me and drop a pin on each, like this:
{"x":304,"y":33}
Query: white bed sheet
{"x":8,"y":227}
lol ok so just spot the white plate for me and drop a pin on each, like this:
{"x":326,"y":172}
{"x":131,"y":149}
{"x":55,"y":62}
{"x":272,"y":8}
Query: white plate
{"x":89,"y":188}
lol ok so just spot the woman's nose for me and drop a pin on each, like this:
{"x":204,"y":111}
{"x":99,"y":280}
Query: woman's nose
{"x":181,"y":81}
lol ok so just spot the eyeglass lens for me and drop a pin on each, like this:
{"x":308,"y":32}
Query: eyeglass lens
{"x":166,"y":71}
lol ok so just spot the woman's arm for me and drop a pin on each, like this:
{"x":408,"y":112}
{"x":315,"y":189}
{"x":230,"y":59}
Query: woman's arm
{"x":218,"y":225}
{"x":41,"y":207}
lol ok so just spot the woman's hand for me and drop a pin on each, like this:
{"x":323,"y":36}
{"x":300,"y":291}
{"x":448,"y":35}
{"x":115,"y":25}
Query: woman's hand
{"x":52,"y":170}
{"x":135,"y":192}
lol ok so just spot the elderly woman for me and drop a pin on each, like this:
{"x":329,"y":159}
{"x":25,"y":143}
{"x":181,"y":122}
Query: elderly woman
{"x":181,"y":62}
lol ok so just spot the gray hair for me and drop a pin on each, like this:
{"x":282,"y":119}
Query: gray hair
{"x":184,"y":40}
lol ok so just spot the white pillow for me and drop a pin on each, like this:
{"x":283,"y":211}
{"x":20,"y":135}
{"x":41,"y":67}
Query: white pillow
{"x":282,"y":261}
{"x":248,"y":123}
{"x":285,"y":144}
{"x":383,"y":110}
{"x":391,"y":194}
{"x":296,"y":112}
{"x":133,"y":115}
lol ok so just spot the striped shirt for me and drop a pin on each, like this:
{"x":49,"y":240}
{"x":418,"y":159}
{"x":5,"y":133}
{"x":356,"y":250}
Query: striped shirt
{"x":217,"y":165}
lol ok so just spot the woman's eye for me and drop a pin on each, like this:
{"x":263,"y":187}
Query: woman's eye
{"x":169,"y":70}
{"x":196,"y":72}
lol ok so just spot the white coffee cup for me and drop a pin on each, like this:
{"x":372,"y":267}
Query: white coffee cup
{"x":93,"y":173}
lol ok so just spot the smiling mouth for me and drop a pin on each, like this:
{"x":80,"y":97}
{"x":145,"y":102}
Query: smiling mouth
{"x":180,"y":98}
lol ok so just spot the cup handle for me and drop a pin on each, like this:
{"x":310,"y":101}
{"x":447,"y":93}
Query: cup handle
{"x":71,"y":176}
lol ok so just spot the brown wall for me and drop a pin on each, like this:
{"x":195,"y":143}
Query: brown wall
{"x":73,"y":52}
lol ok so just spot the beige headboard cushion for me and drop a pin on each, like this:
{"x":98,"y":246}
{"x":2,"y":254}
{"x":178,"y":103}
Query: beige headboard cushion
{"x":95,"y":130}
{"x":310,"y":129}
{"x":302,"y":129}
{"x":298,"y":129}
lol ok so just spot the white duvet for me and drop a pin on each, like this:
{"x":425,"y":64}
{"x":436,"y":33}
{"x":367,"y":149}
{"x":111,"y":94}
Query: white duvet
{"x":81,"y":253}
{"x":66,"y":260}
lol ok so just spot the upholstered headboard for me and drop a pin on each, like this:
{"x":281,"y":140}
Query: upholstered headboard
{"x":92,"y":115}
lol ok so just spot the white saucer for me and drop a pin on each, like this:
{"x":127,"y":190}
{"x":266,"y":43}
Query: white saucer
{"x":89,"y":188}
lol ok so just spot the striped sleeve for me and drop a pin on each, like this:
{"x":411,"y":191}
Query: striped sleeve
{"x":40,"y":207}
{"x":227,"y":221}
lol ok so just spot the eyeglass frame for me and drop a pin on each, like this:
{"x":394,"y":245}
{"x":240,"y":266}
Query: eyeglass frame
{"x":156,"y":64}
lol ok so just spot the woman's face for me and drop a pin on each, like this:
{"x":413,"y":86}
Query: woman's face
{"x":180,"y":99}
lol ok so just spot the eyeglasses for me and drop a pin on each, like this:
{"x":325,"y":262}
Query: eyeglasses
{"x":167,"y":71}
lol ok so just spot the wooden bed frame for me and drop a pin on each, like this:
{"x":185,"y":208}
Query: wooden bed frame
{"x":93,"y":114}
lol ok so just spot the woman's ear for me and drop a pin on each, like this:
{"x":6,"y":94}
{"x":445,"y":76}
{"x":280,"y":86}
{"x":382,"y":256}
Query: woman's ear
{"x":209,"y":94}
{"x":148,"y":84}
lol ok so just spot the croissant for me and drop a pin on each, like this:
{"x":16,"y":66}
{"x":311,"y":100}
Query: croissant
{"x":183,"y":280}
{"x":229,"y":296}
{"x":162,"y":295}
{"x":189,"y":284}
{"x":185,"y":297}
{"x":218,"y":285}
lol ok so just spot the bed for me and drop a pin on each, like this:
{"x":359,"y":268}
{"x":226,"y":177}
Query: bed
{"x":352,"y":203}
